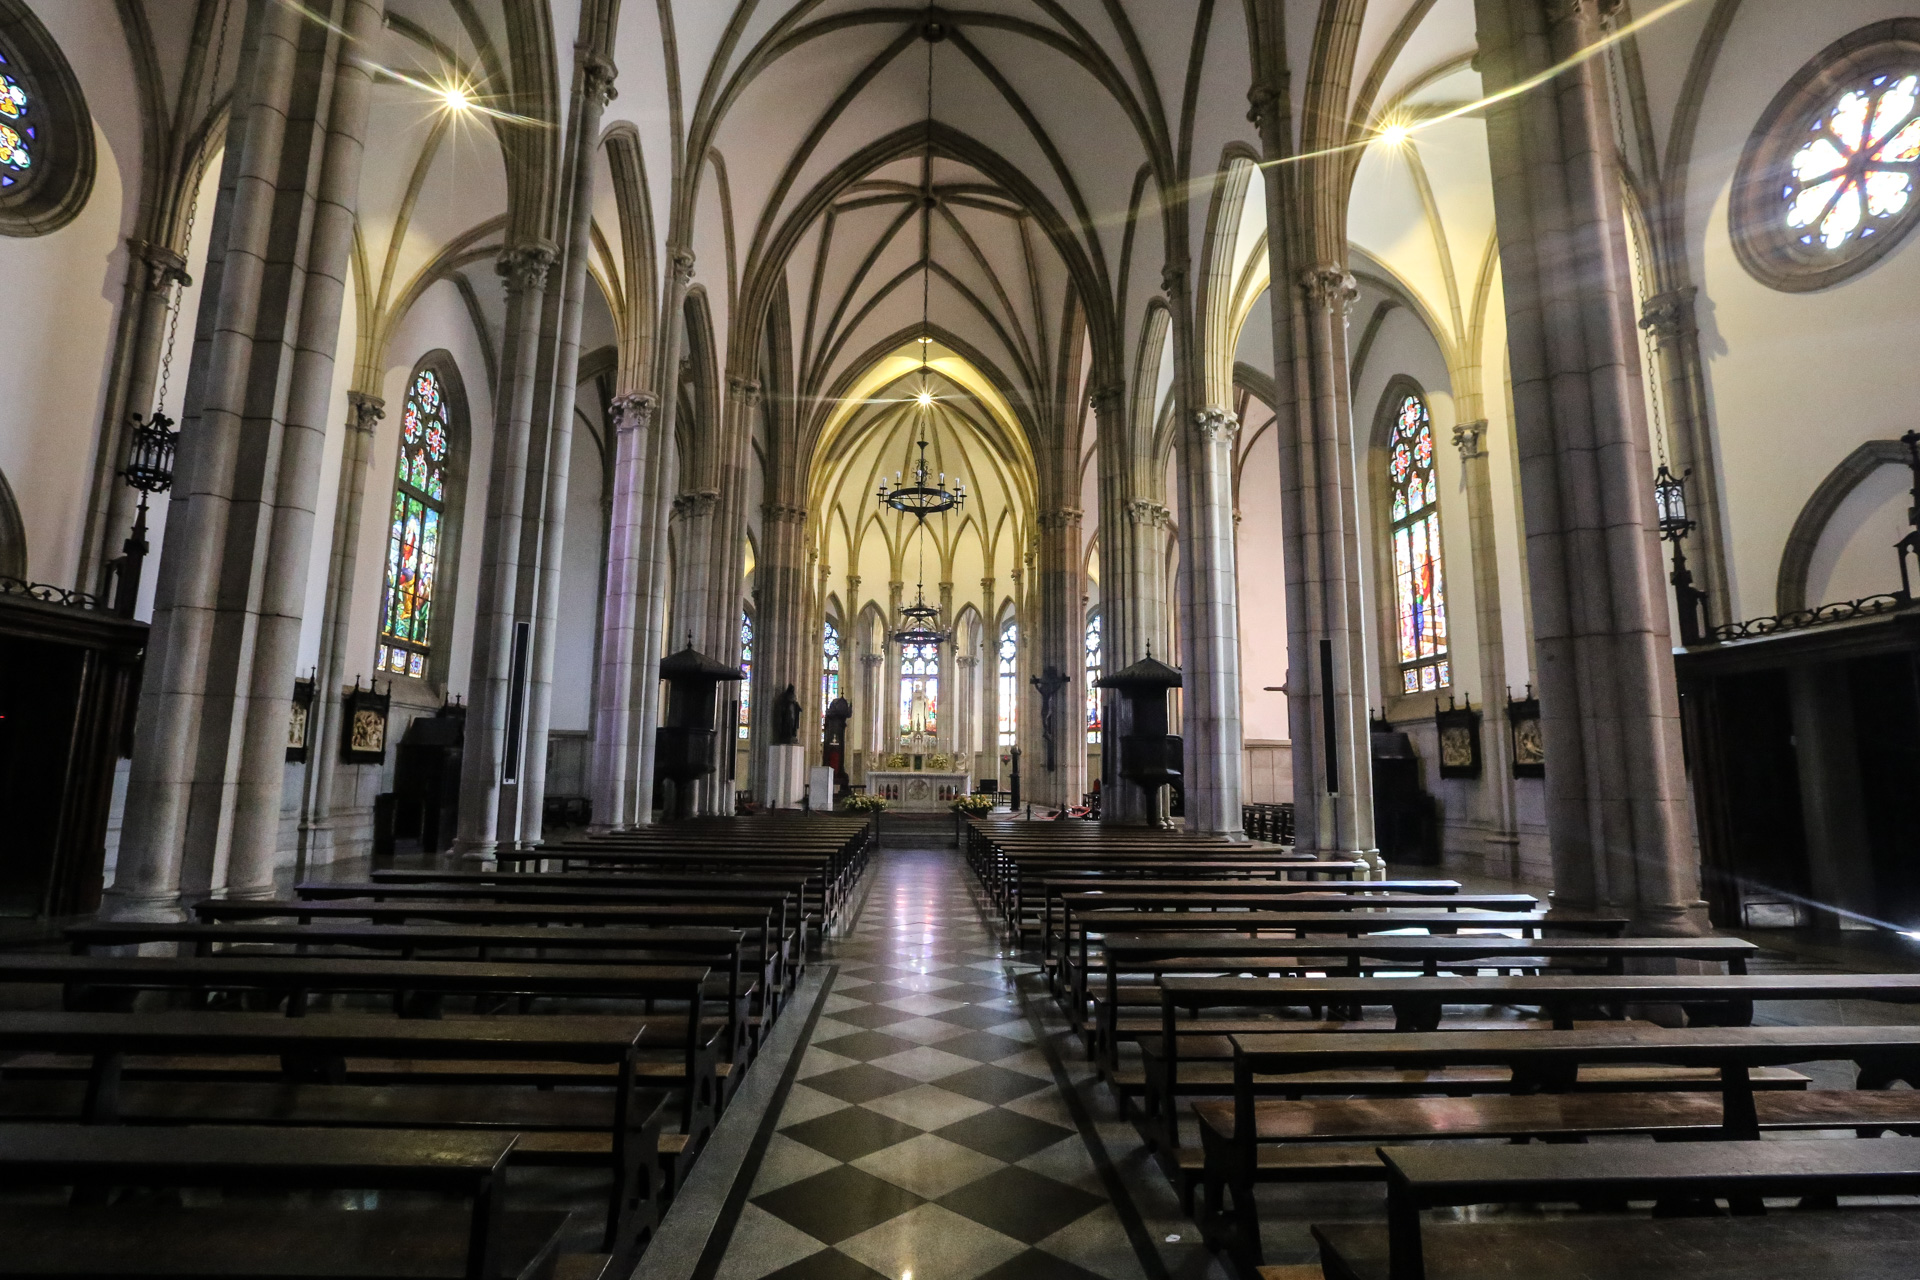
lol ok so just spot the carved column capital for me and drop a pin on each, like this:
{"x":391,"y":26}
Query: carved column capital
{"x":597,"y":76}
{"x":699,"y":502}
{"x":633,"y":412}
{"x":1144,"y":513}
{"x":1173,"y":277}
{"x":1106,"y":400}
{"x":871,"y":660}
{"x":1220,"y":426}
{"x":745,"y":390}
{"x":1467,"y":437}
{"x":1330,"y":287}
{"x":682,"y":267}
{"x":164,"y":266}
{"x":1064,"y":518}
{"x":1668,"y":315}
{"x":783,"y":512}
{"x":367,"y":410}
{"x":524,"y":266}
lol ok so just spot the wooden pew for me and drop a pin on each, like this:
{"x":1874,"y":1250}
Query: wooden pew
{"x":1238,"y":1138}
{"x":94,"y":1238}
{"x":1078,"y":965}
{"x":1194,"y":1057}
{"x":742,"y":996}
{"x":496,"y":914}
{"x":319,"y":1048}
{"x":1420,"y":1178}
{"x":1157,"y":954}
{"x":1227,"y":894}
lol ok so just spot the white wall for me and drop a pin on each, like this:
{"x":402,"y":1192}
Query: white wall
{"x":65,"y":290}
{"x":1796,"y":381}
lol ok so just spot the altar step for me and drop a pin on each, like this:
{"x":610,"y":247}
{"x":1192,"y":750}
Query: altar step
{"x":918,"y":831}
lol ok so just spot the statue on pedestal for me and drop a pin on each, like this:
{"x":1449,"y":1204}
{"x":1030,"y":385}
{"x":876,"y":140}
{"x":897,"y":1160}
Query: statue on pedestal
{"x":786,"y":718}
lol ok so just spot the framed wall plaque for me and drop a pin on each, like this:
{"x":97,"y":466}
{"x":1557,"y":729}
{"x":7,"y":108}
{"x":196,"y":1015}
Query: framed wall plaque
{"x":1529,"y":748}
{"x":363,"y":726}
{"x":1459,"y":729}
{"x":300,"y":720}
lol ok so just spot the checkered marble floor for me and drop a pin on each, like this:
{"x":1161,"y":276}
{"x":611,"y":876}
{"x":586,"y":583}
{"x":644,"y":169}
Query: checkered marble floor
{"x":924,"y":1137}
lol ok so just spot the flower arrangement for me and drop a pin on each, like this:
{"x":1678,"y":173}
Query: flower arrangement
{"x":864,"y":803}
{"x":974,"y":804}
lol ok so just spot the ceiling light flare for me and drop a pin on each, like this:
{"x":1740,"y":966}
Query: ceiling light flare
{"x":456,"y":97}
{"x":924,"y":399}
{"x":1395,"y":135}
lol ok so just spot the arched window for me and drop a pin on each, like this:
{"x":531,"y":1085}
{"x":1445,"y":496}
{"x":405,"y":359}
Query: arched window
{"x":46,"y":135}
{"x":1420,"y":593}
{"x":418,"y":530}
{"x":1009,"y":681}
{"x":1093,"y":675}
{"x":919,"y":669}
{"x":829,"y":666}
{"x":746,"y":669}
{"x":1825,"y":186}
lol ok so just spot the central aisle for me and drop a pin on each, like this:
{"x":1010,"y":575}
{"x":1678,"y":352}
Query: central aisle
{"x":926,"y":1135}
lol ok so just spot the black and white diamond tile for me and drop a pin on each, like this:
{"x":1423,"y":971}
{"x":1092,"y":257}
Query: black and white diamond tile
{"x":924,"y":1134}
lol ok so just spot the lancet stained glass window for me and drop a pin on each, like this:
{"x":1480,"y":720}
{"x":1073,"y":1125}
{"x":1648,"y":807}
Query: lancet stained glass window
{"x":829,"y":666}
{"x":919,"y":669}
{"x":1009,"y":681}
{"x":746,"y":669}
{"x":418,"y":525}
{"x":19,"y":134}
{"x":1420,"y":593}
{"x":1854,"y":172}
{"x":1093,"y":673}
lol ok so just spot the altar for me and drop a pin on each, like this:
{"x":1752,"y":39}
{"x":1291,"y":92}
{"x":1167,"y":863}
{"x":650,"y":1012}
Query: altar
{"x":911,"y":792}
{"x":917,"y":779}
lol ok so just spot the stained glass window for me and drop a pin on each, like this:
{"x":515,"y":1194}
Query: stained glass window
{"x":746,"y":669}
{"x":1009,"y":682}
{"x":18,"y":132}
{"x":829,"y":666}
{"x":1854,"y":172}
{"x":1420,"y":592}
{"x":919,"y":670}
{"x":1093,"y":674}
{"x":418,"y":526}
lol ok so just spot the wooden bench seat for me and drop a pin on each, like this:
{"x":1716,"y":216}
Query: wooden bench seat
{"x":1681,"y":1175}
{"x":93,"y":1237}
{"x":1856,"y":1245}
{"x":133,"y":1242}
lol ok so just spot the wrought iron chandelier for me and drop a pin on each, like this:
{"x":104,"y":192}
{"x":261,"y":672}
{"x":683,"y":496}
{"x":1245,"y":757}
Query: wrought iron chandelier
{"x":926,"y":496}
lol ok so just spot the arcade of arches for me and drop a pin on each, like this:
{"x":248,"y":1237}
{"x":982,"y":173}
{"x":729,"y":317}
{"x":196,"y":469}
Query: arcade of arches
{"x":1326,"y":402}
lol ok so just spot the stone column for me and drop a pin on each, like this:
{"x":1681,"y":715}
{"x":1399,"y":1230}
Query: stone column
{"x":1061,"y":647}
{"x":1329,"y":686}
{"x":1469,"y":438}
{"x":491,"y":690}
{"x":614,"y":727}
{"x":990,"y":691}
{"x":240,"y":518}
{"x":323,"y":758}
{"x":154,"y":271}
{"x":1616,"y":794}
{"x":283,"y":584}
{"x":1669,"y":318}
{"x":872,"y":675}
{"x":947,"y":720}
{"x":593,"y":89}
{"x":782,"y":627}
{"x":888,"y":703}
{"x":655,"y":505}
{"x":1210,"y":658}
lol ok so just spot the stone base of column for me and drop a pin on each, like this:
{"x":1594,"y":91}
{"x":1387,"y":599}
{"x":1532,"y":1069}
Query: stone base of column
{"x":475,"y":850}
{"x":160,"y":908}
{"x":786,"y":776}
